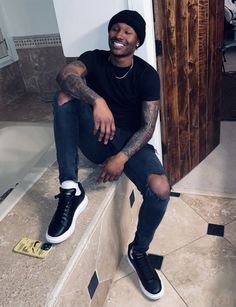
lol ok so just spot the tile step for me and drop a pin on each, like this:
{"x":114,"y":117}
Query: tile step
{"x":80,"y":270}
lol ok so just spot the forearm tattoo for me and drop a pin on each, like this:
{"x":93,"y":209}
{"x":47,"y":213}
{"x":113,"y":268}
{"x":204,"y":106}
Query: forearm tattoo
{"x":144,"y":134}
{"x":72,"y":82}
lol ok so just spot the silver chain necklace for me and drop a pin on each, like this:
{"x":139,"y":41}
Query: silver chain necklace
{"x":122,"y":77}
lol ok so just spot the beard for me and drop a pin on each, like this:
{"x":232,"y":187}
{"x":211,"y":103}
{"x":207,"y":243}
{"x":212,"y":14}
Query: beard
{"x":122,"y":55}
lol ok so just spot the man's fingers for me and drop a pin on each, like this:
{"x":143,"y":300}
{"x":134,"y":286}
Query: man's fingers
{"x":102,"y":132}
{"x":113,"y":178}
{"x":99,"y":180}
{"x":113,"y":130}
{"x":107,"y":130}
{"x":96,"y":127}
{"x":110,"y":132}
{"x":101,"y":176}
{"x":107,"y":134}
{"x":105,"y":176}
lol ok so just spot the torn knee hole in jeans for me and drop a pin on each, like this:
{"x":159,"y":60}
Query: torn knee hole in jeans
{"x":162,"y":191}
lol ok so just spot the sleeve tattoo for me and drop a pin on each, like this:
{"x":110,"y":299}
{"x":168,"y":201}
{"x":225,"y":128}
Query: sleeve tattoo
{"x":72,"y":82}
{"x":144,"y":134}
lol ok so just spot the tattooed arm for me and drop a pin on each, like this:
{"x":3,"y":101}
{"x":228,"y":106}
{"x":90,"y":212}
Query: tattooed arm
{"x":143,"y":135}
{"x":71,"y":80}
{"x":113,"y":167}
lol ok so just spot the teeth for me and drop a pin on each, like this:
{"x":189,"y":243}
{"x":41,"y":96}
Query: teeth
{"x":117,"y":44}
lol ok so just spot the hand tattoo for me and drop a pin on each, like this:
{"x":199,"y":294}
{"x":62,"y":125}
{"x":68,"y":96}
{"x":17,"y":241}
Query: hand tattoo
{"x":144,"y":134}
{"x":72,"y":82}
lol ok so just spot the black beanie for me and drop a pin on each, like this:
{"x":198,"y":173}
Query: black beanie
{"x":134,"y":20}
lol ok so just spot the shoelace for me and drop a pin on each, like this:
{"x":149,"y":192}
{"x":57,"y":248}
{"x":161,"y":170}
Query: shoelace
{"x":145,"y":267}
{"x":65,"y":199}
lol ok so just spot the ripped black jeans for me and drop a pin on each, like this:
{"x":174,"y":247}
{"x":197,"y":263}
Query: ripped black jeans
{"x":73,"y":128}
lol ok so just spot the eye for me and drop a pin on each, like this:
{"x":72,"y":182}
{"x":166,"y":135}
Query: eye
{"x":115,"y":29}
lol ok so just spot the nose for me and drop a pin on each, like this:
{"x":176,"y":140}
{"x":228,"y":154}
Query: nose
{"x":119,"y":35}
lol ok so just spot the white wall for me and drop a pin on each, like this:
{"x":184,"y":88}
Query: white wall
{"x":148,"y":53}
{"x":30,"y":17}
{"x":83,"y":24}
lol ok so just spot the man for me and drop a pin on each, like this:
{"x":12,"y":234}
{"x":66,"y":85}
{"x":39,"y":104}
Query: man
{"x":108,"y":107}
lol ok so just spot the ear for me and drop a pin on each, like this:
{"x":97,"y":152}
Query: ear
{"x":137,"y":44}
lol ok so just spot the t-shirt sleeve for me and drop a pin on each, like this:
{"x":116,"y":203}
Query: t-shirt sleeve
{"x":89,"y":59}
{"x":150,"y":85}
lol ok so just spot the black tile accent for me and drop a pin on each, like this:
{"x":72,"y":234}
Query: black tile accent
{"x":131,"y":199}
{"x":93,"y":284}
{"x":156,"y":260}
{"x":216,"y":230}
{"x":174,"y":194}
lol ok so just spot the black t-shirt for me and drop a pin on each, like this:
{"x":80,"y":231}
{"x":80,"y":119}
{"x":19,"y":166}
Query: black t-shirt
{"x":123,"y":96}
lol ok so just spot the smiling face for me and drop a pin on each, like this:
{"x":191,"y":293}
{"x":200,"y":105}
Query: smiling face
{"x":123,"y":40}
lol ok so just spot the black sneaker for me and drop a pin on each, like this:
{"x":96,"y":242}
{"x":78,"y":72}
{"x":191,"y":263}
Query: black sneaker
{"x":69,"y":208}
{"x":149,"y":280}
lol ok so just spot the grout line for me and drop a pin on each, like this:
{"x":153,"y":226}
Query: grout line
{"x":195,"y":211}
{"x":229,"y":242}
{"x":226,"y":224}
{"x":206,"y":193}
{"x":179,"y":248}
{"x":131,"y":273}
{"x":208,"y":222}
{"x":180,"y":296}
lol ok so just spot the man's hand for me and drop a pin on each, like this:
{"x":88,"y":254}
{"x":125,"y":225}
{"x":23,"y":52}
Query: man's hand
{"x":112,"y":168}
{"x":103,"y":121}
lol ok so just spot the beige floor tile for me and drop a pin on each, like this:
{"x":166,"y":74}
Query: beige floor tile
{"x":72,"y":299}
{"x":84,"y":268}
{"x":230,"y":232}
{"x":124,"y":269}
{"x":215,"y":210}
{"x":180,"y":226}
{"x":126,"y":293}
{"x":116,"y":228}
{"x":109,"y":245}
{"x":216,"y":173}
{"x":100,"y":294}
{"x":203,"y":273}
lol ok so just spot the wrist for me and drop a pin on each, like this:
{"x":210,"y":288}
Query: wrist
{"x":123,"y":157}
{"x":98,"y":101}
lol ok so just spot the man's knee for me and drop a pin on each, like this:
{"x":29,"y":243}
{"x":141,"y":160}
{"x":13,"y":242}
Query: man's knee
{"x":159,"y":185}
{"x":63,"y":98}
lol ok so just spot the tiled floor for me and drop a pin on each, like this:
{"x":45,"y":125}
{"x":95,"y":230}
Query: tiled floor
{"x":197,"y":240}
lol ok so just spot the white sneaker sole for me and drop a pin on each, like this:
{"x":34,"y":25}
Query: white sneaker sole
{"x":151,"y":296}
{"x":69,"y":232}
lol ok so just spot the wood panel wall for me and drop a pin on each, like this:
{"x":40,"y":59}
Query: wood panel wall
{"x":191,"y":32}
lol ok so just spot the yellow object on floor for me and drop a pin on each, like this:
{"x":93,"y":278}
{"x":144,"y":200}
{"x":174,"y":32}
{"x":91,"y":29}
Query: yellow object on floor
{"x":33,"y":248}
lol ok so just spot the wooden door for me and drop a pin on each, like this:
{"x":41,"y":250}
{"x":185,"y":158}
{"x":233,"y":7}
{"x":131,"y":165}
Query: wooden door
{"x":191,"y":35}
